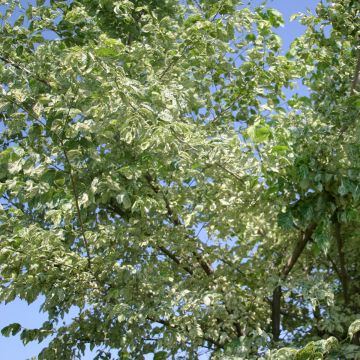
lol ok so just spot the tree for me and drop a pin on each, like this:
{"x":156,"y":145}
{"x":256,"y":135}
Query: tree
{"x":157,"y":175}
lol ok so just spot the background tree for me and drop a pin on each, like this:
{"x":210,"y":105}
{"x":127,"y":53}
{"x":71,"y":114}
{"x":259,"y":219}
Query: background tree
{"x":155,"y":176}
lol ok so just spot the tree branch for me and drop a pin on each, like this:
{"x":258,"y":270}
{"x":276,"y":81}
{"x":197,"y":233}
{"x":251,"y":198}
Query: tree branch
{"x":299,"y":247}
{"x":175,"y":259}
{"x":172,"y":326}
{"x":176,"y":221}
{"x":340,"y":246}
{"x":276,"y":313}
{"x":336,"y":269}
{"x":230,"y":172}
{"x":276,"y":299}
{"x":76,"y":199}
{"x":356,"y":78}
{"x":196,"y":2}
{"x":125,"y":215}
{"x":17,"y":66}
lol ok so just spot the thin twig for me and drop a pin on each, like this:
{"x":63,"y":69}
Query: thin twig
{"x":217,"y":12}
{"x":168,"y":324}
{"x":229,"y":172}
{"x":196,"y":2}
{"x":224,"y":111}
{"x":17,"y":66}
{"x":76,"y":199}
{"x":176,"y":221}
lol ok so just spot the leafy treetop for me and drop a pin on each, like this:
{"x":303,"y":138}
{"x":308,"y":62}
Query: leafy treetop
{"x":156,"y":175}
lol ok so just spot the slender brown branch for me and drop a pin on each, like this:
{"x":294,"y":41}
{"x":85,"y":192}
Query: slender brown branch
{"x":17,"y":66}
{"x":224,"y":111}
{"x":76,"y":199}
{"x":299,"y":247}
{"x":196,"y":2}
{"x":229,"y":172}
{"x":340,"y":246}
{"x":217,"y":12}
{"x":356,"y":78}
{"x":207,"y":164}
{"x":174,"y":258}
{"x":203,"y":263}
{"x":119,"y":211}
{"x":276,"y":313}
{"x":276,"y":299}
{"x":168,"y":324}
{"x":174,"y":61}
{"x":336,"y":269}
{"x":176,"y":221}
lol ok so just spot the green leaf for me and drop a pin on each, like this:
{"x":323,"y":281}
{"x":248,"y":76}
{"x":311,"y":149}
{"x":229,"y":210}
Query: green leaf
{"x":275,"y":18}
{"x":123,"y":199}
{"x":60,"y":182}
{"x":295,"y":16}
{"x":323,"y":241}
{"x":259,"y":134}
{"x":19,"y":21}
{"x":106,"y":52}
{"x":148,"y":348}
{"x":250,"y":37}
{"x":98,"y":95}
{"x":354,"y":328}
{"x":280,"y":148}
{"x":285,"y":220}
{"x":160,"y":355}
{"x":11,"y":329}
{"x":342,"y":190}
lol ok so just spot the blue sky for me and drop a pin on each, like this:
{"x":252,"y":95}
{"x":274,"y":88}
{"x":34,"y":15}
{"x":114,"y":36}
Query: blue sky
{"x":29,"y":316}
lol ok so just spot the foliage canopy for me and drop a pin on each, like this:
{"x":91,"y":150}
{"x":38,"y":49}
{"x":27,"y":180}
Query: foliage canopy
{"x":159,"y":174}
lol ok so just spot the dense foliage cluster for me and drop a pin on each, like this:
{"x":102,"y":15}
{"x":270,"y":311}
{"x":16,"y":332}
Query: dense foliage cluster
{"x":160,"y":174}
